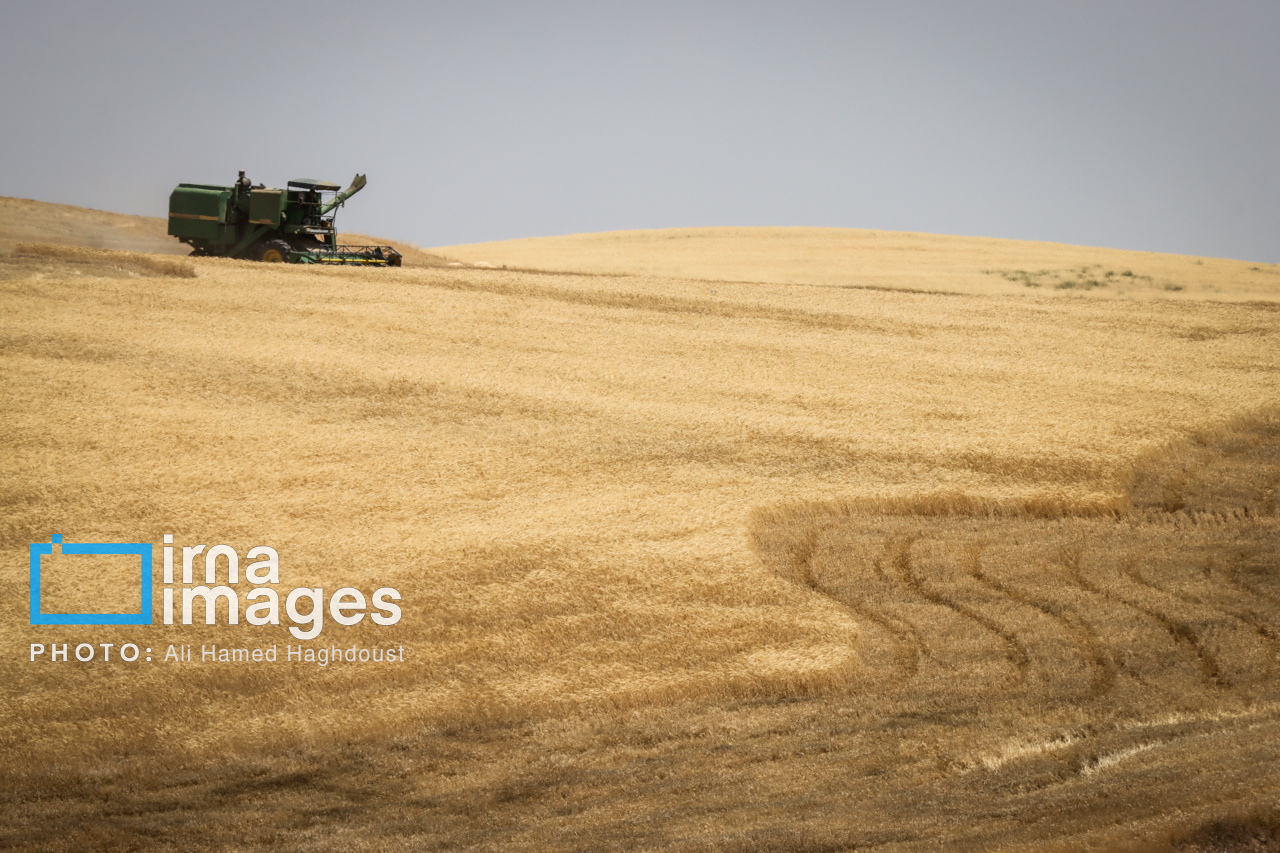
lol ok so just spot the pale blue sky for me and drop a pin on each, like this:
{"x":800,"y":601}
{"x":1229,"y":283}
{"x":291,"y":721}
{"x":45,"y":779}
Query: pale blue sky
{"x":1141,"y":125}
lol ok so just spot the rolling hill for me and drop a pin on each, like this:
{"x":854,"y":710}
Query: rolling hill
{"x":735,"y":539}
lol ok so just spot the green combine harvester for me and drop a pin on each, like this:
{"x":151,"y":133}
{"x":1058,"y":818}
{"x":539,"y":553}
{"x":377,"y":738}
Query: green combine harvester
{"x":293,"y":225}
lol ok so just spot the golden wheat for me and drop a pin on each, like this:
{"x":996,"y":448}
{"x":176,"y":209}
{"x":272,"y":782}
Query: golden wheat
{"x":770,"y":565}
{"x":856,"y":258}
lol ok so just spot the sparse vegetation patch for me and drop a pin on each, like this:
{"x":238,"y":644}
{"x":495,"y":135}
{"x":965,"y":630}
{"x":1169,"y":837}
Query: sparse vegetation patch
{"x":1084,"y":277}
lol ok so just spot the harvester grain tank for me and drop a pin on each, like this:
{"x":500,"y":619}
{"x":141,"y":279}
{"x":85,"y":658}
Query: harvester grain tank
{"x":290,"y":225}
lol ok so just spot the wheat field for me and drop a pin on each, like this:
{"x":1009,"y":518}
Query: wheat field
{"x":696,"y":552}
{"x":868,"y":259}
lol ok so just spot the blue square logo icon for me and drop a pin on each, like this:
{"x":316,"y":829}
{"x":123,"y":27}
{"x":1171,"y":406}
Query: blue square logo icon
{"x":141,"y":550}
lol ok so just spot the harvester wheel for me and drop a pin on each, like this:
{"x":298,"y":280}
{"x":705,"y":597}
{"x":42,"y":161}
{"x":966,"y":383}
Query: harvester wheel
{"x":274,"y":252}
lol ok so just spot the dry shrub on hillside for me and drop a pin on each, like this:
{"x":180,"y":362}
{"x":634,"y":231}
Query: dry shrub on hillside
{"x":45,"y":260}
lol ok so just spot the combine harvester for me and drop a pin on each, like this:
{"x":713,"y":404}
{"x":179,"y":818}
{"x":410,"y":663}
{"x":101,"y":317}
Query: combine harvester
{"x":293,"y":225}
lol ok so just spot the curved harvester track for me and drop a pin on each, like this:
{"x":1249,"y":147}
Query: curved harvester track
{"x":1051,"y":664}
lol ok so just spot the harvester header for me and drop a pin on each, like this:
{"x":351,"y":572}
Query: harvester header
{"x":291,"y":225}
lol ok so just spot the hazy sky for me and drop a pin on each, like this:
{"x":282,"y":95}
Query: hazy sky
{"x":1143,"y":125}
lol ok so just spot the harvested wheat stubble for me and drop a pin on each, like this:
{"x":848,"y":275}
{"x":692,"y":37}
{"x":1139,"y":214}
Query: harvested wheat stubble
{"x":1093,"y":650}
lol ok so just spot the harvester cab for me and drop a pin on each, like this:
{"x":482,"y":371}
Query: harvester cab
{"x":291,"y":225}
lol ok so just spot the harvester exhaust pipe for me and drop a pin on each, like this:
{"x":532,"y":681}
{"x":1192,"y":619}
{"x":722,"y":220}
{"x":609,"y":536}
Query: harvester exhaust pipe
{"x":357,"y":184}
